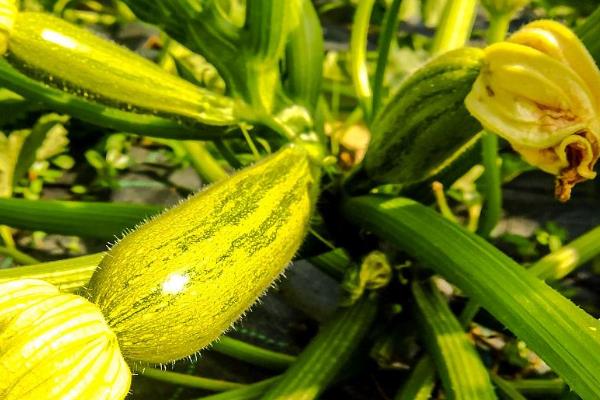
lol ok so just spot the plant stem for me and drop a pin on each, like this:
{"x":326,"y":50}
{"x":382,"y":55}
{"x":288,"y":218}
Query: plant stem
{"x":358,"y":54}
{"x":204,"y":163}
{"x":74,"y":217}
{"x":228,"y":154}
{"x":506,"y":387}
{"x":538,"y":387}
{"x":448,"y":344}
{"x":561,"y":333}
{"x":252,"y":354}
{"x":177,"y":378}
{"x":250,"y":142}
{"x":498,"y":28}
{"x":492,"y":209}
{"x":334,"y":262}
{"x":17,"y":255}
{"x":249,"y":392}
{"x":563,"y":261}
{"x":6,"y":236}
{"x":553,"y":266}
{"x":455,"y":26}
{"x":390,"y":25}
{"x":421,"y":381}
{"x":326,"y":354}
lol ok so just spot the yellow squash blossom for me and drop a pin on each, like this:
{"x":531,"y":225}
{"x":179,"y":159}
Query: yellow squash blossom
{"x":56,"y":346}
{"x":540,"y":91}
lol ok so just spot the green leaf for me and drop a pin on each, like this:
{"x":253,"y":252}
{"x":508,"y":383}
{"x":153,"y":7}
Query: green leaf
{"x":567,"y":338}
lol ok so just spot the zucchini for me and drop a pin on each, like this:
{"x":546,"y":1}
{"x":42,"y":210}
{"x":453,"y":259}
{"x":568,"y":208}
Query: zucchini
{"x":72,"y":59}
{"x":175,"y":284}
{"x":56,"y":346}
{"x":426,"y":123}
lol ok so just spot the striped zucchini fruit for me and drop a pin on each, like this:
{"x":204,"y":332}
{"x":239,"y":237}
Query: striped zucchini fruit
{"x":75,"y":60}
{"x":426,"y":123}
{"x":176,"y":283}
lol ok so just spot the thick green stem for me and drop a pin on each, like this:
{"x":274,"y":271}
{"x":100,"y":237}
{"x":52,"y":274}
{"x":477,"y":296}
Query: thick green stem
{"x":74,"y":217}
{"x":326,"y":354}
{"x":304,"y":59}
{"x":358,"y":54}
{"x":390,"y":25}
{"x":204,"y":163}
{"x":498,"y":27}
{"x":455,"y":26}
{"x":460,"y":368}
{"x":563,"y":261}
{"x":492,"y":208}
{"x":421,"y":381}
{"x":565,"y":336}
{"x":539,"y":387}
{"x":507,"y":389}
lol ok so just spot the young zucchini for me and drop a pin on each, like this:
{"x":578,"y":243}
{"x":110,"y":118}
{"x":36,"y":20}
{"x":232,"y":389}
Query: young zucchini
{"x":80,"y":62}
{"x":426,"y":123}
{"x":175,"y":284}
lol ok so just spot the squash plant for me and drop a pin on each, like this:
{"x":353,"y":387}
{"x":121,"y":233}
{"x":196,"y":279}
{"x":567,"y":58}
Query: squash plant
{"x":178,"y":279}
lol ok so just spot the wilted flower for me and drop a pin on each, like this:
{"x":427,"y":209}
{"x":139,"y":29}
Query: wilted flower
{"x":56,"y":346}
{"x":539,"y":90}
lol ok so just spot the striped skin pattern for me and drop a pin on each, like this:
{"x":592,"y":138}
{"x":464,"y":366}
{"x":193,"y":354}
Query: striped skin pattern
{"x":175,"y":284}
{"x":77,"y":61}
{"x":56,"y":346}
{"x":426,"y":123}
